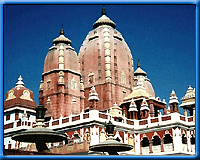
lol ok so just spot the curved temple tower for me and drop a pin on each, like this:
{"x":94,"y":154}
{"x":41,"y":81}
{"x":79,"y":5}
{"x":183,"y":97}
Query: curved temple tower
{"x":111,"y":69}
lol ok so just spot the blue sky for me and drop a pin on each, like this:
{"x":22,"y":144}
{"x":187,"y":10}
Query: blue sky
{"x":161,"y":36}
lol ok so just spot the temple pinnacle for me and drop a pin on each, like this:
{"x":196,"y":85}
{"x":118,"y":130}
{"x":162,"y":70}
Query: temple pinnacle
{"x":103,"y":11}
{"x":62,"y":30}
{"x":138,"y":64}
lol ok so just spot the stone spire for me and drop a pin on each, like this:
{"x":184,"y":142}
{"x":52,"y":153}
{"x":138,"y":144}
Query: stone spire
{"x":103,"y":11}
{"x":93,"y":98}
{"x":132,"y":106}
{"x":41,"y":85}
{"x":62,"y":30}
{"x":20,"y":83}
{"x":139,"y":71}
{"x":138,"y":64}
{"x":115,"y":111}
{"x":173,"y":98}
{"x":144,"y":105}
{"x":93,"y":95}
{"x":81,"y":85}
{"x":173,"y":102}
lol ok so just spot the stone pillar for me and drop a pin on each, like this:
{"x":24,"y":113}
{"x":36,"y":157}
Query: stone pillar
{"x":165,"y":111}
{"x":145,"y":115}
{"x":137,"y":144}
{"x":185,"y":112}
{"x":151,"y":110}
{"x":177,"y":139}
{"x":150,"y":146}
{"x":131,"y":113}
{"x":162,"y":145}
{"x":136,"y":117}
{"x":94,"y":135}
{"x":171,"y":108}
{"x":141,"y":114}
{"x":193,"y":114}
{"x":188,"y":141}
{"x":124,"y":111}
{"x":41,"y":99}
{"x":176,"y":107}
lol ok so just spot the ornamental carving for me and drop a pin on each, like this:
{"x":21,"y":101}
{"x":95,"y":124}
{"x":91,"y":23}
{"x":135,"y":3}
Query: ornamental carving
{"x":26,"y":95}
{"x":10,"y":95}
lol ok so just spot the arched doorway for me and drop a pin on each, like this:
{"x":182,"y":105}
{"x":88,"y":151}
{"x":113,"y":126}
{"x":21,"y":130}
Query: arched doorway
{"x":156,"y":144}
{"x":168,"y":143}
{"x":145,"y":145}
{"x":184,"y":142}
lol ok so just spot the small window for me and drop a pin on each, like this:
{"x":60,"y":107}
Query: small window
{"x":7,"y":117}
{"x":92,"y":38}
{"x":91,"y":78}
{"x":192,"y":140}
{"x":116,"y":37}
{"x":145,"y":142}
{"x":48,"y":84}
{"x":184,"y":139}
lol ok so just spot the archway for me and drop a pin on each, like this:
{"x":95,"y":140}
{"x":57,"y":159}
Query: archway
{"x":145,"y":145}
{"x":156,"y":144}
{"x":168,"y":143}
{"x":184,"y":142}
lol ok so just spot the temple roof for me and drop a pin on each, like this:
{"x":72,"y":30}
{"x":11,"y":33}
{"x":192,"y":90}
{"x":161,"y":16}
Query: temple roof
{"x":189,"y":98}
{"x":19,"y":95}
{"x":139,"y":71}
{"x":138,"y":92}
{"x":173,"y":98}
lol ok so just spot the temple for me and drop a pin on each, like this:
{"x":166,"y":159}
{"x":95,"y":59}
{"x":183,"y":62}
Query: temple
{"x":83,"y":91}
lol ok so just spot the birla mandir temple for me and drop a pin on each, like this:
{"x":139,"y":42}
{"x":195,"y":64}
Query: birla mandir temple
{"x":83,"y":91}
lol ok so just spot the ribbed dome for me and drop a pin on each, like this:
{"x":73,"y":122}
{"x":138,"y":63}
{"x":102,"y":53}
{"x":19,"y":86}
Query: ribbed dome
{"x":149,"y":88}
{"x":105,"y":57}
{"x":61,"y":55}
{"x":19,"y":95}
{"x":139,"y":75}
